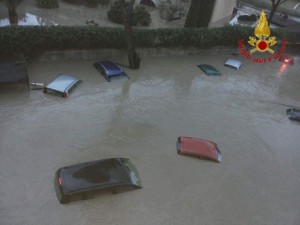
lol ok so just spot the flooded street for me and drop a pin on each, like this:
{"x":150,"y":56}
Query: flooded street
{"x":243,"y":111}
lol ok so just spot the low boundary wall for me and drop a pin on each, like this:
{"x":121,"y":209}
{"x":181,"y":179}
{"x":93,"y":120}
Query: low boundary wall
{"x":115,"y":53}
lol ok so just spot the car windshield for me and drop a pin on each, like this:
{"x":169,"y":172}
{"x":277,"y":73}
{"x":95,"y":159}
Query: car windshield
{"x":135,"y":178}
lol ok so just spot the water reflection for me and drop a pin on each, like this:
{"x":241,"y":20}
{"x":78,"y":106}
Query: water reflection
{"x":29,"y":20}
{"x":281,"y":70}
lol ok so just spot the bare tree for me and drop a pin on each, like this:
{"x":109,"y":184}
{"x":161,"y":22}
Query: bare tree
{"x":275,"y":5}
{"x":133,"y":57}
{"x":11,"y":6}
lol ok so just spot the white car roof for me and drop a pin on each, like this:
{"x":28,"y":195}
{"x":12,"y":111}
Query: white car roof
{"x":233,"y":63}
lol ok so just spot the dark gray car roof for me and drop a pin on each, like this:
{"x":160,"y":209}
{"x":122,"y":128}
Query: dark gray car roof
{"x":96,"y":174}
{"x":209,"y":70}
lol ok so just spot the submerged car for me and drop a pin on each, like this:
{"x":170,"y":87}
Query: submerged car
{"x":109,"y":70}
{"x":209,"y":70}
{"x":114,"y":174}
{"x":293,"y":114}
{"x":200,"y":148}
{"x":63,"y":84}
{"x":233,"y":63}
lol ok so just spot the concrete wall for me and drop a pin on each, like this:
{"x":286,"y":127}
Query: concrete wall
{"x":143,"y":52}
{"x":222,"y":12}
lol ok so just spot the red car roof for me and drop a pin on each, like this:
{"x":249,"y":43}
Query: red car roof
{"x":199,"y":148}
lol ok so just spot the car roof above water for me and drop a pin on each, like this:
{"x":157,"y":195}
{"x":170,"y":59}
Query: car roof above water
{"x":62,"y":82}
{"x":209,"y":70}
{"x":94,"y":174}
{"x":110,"y":68}
{"x":233,"y":63}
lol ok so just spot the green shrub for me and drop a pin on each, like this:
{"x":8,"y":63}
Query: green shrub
{"x":103,"y":2}
{"x":47,"y":4}
{"x":32,"y":41}
{"x":115,"y":13}
{"x":92,"y":3}
{"x":73,"y":1}
{"x":140,"y":15}
{"x":89,"y":3}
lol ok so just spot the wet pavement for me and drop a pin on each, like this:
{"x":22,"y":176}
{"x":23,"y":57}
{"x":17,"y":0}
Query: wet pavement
{"x":243,"y":111}
{"x":75,"y":15}
{"x":279,"y":20}
{"x":28,"y":20}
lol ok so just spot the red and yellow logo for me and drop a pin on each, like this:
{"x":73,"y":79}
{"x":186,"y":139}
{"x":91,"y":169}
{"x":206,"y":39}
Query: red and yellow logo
{"x":262,"y":42}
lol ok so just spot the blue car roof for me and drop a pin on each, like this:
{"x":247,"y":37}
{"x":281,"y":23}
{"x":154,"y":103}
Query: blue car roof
{"x":109,"y":69}
{"x":109,"y":64}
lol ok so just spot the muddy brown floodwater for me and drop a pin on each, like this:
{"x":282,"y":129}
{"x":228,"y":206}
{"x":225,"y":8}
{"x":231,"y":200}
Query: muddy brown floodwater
{"x":243,"y":111}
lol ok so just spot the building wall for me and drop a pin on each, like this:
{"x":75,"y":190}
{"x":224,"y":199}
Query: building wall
{"x":222,"y":11}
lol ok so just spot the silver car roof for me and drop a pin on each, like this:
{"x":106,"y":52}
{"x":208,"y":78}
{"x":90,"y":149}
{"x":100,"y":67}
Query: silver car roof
{"x":62,"y":83}
{"x":233,"y":63}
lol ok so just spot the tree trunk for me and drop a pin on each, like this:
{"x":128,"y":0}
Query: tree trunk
{"x":13,"y":17}
{"x":205,"y":13}
{"x":200,"y":13}
{"x":193,"y":14}
{"x":273,"y":10}
{"x":133,"y":58}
